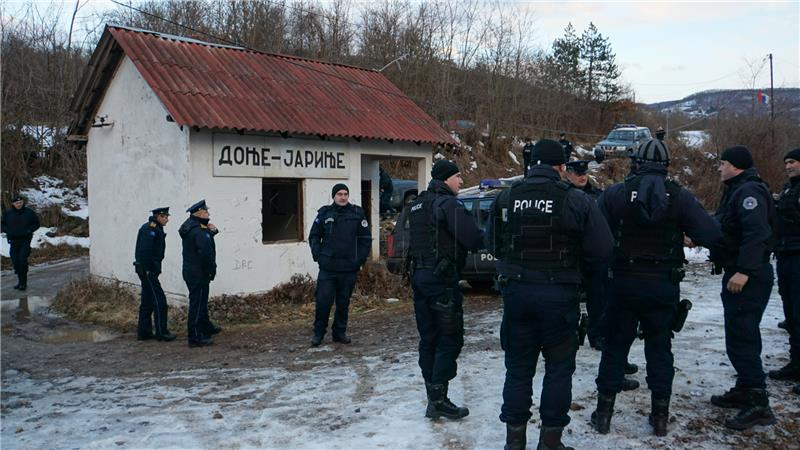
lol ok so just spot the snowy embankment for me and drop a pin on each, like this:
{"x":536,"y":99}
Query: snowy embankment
{"x":694,"y":138}
{"x":378,"y":401}
{"x":52,"y":192}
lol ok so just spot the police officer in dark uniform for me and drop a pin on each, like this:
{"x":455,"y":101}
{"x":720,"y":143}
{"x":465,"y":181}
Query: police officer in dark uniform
{"x":660,"y":134}
{"x":386,"y":188}
{"x":543,"y":231}
{"x":567,"y":145}
{"x":340,"y":242}
{"x":150,"y":246}
{"x":577,"y":175}
{"x":648,"y":215}
{"x":787,"y":233}
{"x":527,"y":149}
{"x":199,"y":269}
{"x":746,"y":213}
{"x":18,"y":223}
{"x":441,"y":233}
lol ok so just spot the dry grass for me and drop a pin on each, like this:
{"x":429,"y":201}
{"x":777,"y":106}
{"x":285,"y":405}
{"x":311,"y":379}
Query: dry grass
{"x":116,"y":306}
{"x":109,"y":304}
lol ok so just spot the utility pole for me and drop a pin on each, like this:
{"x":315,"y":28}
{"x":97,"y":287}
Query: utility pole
{"x":771,"y":92}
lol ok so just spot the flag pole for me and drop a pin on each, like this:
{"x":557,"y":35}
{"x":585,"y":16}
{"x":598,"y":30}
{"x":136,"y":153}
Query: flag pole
{"x":771,"y":92}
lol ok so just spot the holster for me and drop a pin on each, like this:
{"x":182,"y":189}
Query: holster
{"x":683,"y":312}
{"x":449,"y":316}
{"x":583,"y":327}
{"x":445,"y":270}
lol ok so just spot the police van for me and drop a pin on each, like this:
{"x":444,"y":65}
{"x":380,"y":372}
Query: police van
{"x":479,"y":270}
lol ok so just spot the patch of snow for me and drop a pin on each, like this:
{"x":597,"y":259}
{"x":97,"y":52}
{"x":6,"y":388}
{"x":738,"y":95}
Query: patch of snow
{"x":696,"y":255}
{"x":41,"y":237}
{"x":481,"y":144}
{"x":438,"y":156}
{"x":376,"y":401}
{"x":688,"y":171}
{"x":52,"y":192}
{"x":694,"y":138}
{"x":582,"y":152}
{"x":711,"y":155}
{"x":455,"y":137}
{"x":513,"y":157}
{"x":473,"y":165}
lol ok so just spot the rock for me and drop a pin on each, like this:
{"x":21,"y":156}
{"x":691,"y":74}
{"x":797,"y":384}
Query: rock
{"x":217,"y":415}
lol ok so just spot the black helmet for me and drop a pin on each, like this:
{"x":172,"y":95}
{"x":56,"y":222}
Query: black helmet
{"x":653,"y":150}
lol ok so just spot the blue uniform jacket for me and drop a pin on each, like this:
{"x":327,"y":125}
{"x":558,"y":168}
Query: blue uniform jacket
{"x":340,"y":238}
{"x":747,"y":205}
{"x":787,"y":222}
{"x":581,"y":216}
{"x":19,"y":223}
{"x":199,"y":250}
{"x":151,"y":243}
{"x":653,"y":204}
{"x":460,"y":223}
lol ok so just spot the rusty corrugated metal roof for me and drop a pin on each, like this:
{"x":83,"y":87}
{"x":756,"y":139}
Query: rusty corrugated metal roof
{"x":221,"y":87}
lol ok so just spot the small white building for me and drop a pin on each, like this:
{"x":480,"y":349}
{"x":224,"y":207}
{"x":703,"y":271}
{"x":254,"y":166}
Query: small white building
{"x":168,"y":121}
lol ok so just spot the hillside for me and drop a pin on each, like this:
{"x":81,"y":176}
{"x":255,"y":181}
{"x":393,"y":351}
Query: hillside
{"x":738,"y":102}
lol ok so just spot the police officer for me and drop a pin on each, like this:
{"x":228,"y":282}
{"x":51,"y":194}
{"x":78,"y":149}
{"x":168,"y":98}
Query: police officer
{"x":787,"y":233}
{"x":577,"y":175}
{"x":199,"y":269}
{"x":542,"y":231}
{"x":340,"y":242}
{"x":526,"y":155}
{"x":567,"y":145}
{"x":441,"y":232}
{"x":18,"y":223}
{"x":648,"y":215}
{"x":150,"y":246}
{"x":386,"y":188}
{"x":660,"y":134}
{"x":745,"y":212}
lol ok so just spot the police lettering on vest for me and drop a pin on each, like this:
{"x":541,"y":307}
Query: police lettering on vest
{"x":543,"y":205}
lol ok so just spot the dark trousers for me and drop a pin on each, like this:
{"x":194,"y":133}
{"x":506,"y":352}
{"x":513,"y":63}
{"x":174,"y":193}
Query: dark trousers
{"x":538,"y":318}
{"x":333,"y":287}
{"x":19,"y":252}
{"x":649,"y":299}
{"x":789,"y":288}
{"x":197,"y":322}
{"x":597,"y":288}
{"x":743,"y":314}
{"x":440,"y":324}
{"x":152,"y":306}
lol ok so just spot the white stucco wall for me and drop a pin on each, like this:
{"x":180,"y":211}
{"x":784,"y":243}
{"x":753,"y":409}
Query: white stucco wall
{"x":245,"y":264}
{"x":139,"y":163}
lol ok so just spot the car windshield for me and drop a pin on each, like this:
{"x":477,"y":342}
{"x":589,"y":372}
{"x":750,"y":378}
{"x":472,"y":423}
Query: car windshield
{"x":619,"y":135}
{"x":484,"y":205}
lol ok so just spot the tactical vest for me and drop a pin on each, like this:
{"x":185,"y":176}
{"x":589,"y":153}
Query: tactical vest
{"x":430,"y":238}
{"x":655,"y":243}
{"x":535,"y":237}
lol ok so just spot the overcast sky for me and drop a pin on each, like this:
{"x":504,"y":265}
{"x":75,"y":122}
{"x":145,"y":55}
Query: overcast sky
{"x":666,"y":50}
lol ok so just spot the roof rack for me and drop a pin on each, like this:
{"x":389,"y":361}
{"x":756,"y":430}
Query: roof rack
{"x":625,"y":125}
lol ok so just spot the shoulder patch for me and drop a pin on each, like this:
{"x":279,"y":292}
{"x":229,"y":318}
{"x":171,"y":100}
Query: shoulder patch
{"x":203,"y":226}
{"x":152,"y":233}
{"x":750,"y":203}
{"x":364,"y":223}
{"x":329,"y":219}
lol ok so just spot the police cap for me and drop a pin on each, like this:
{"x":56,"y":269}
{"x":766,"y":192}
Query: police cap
{"x":579,"y":167}
{"x":197,"y":207}
{"x":164,"y":210}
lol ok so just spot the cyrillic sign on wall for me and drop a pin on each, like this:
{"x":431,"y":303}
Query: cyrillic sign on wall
{"x":259,"y":156}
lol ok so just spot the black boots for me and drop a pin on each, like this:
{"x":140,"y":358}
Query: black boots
{"x":516,"y":437}
{"x":601,"y":417}
{"x":755,"y":412}
{"x":343,"y":339}
{"x":630,"y":369}
{"x":22,"y":281}
{"x":736,"y":397}
{"x":166,"y":337}
{"x":659,"y":415}
{"x":316,"y":340}
{"x":550,"y":439}
{"x":796,"y":389}
{"x":441,"y":406}
{"x":629,"y":384}
{"x":789,"y":372}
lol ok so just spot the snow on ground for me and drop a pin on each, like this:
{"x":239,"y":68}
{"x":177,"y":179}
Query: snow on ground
{"x":52,"y":192}
{"x":513,"y":157}
{"x":379,"y":401}
{"x":694,"y":138}
{"x":40,"y":237}
{"x":582,"y":152}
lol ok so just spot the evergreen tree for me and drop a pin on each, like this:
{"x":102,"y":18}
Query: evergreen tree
{"x":600,"y":71}
{"x":566,"y":61}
